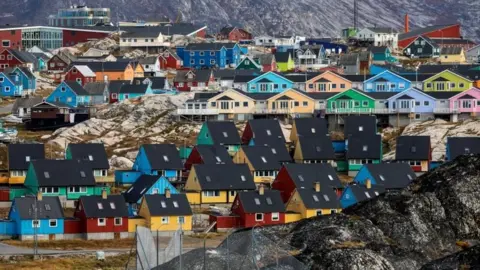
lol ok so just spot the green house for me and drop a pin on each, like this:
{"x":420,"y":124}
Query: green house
{"x":68,"y":178}
{"x":447,"y":81}
{"x":223,"y":133}
{"x":350,"y":101}
{"x":249,"y":64}
{"x":285,"y":61}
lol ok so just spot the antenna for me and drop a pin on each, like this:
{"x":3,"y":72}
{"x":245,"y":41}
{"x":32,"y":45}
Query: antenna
{"x":355,"y":14}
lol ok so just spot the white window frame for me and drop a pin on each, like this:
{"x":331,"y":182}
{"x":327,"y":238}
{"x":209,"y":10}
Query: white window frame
{"x":115,"y":223}
{"x":275,"y":216}
{"x":178,"y":220}
{"x":103,"y":223}
{"x":256,"y":219}
{"x":165,"y":220}
{"x":37,"y":225}
{"x":50,"y":223}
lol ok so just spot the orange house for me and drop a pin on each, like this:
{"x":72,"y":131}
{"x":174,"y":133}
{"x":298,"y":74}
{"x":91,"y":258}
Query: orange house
{"x":328,"y":82}
{"x":111,"y":71}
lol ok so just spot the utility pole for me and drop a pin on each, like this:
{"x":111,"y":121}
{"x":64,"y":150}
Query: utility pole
{"x":355,"y":15}
{"x":35,"y":223}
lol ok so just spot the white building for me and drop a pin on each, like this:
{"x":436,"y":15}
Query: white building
{"x":379,"y":36}
{"x":143,"y":40}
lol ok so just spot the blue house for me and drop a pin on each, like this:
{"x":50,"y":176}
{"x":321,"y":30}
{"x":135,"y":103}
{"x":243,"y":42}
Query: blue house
{"x":146,"y":185}
{"x":23,"y":76}
{"x":159,"y":159}
{"x":355,"y":193}
{"x":457,"y":146}
{"x":392,"y":176}
{"x":234,"y":51}
{"x":70,"y":93}
{"x":412,"y":100}
{"x":269,"y":82}
{"x":8,"y":87}
{"x":330,"y":47}
{"x":203,"y":55}
{"x":386,"y":81}
{"x":46,"y":222}
{"x":126,"y":177}
{"x":134,"y":90}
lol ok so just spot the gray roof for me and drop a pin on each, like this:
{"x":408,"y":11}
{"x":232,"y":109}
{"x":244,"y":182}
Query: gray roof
{"x":160,"y":205}
{"x":265,"y":59}
{"x":360,"y":124}
{"x":365,"y":146}
{"x":362,"y":193}
{"x":317,"y":148}
{"x":458,"y":146}
{"x":98,"y":207}
{"x":92,"y":153}
{"x":47,"y":208}
{"x":133,"y":88}
{"x":205,"y":46}
{"x":380,"y":95}
{"x":26,"y":103}
{"x":305,"y":175}
{"x":95,"y":88}
{"x":265,"y":130}
{"x":25,"y":71}
{"x":442,"y":94}
{"x":115,"y":86}
{"x":348,"y":59}
{"x":23,"y":56}
{"x":269,"y":202}
{"x":262,"y":158}
{"x":451,"y":50}
{"x":326,"y":198}
{"x":172,"y":29}
{"x":158,"y":82}
{"x":413,"y":148}
{"x":136,"y":191}
{"x":201,"y":75}
{"x":18,"y":153}
{"x":141,"y":34}
{"x":391,"y":175}
{"x":311,"y":127}
{"x":214,"y":154}
{"x":103,"y":66}
{"x":223,"y":132}
{"x":151,"y":60}
{"x":224,"y":176}
{"x":77,"y":88}
{"x":63,"y":173}
{"x":163,"y":156}
{"x":378,"y":49}
{"x":422,"y":31}
{"x":453,"y":41}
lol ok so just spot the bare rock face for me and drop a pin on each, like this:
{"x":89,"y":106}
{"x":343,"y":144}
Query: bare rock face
{"x":467,"y":259}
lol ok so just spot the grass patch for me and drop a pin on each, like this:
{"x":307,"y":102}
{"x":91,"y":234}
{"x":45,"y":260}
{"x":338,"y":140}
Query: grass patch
{"x":350,"y":244}
{"x":75,"y":244}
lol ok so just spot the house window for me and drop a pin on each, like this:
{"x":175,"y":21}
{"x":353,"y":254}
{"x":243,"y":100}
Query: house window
{"x":369,"y":86}
{"x":164,"y":220}
{"x":192,"y":53}
{"x":305,"y":103}
{"x":275,"y":86}
{"x":429,"y":85}
{"x":417,"y":116}
{"x":401,"y":85}
{"x":342,"y":86}
{"x":118,"y":221}
{"x":452,"y":85}
{"x":63,"y":89}
{"x":213,"y":104}
{"x":284,"y":86}
{"x":1,"y":79}
{"x":202,"y":62}
{"x":9,"y":57}
{"x":365,"y":103}
{"x":114,"y":96}
{"x":419,"y":50}
{"x":101,"y":222}
{"x":181,"y":220}
{"x":212,"y":53}
{"x":52,"y":223}
{"x":461,"y":85}
{"x":212,"y":62}
{"x":259,"y":217}
{"x":7,"y":88}
{"x":426,"y":103}
{"x":245,"y":104}
{"x":2,"y":57}
{"x":211,"y":193}
{"x":69,"y":99}
{"x":319,"y":213}
{"x":275,"y":216}
{"x":237,"y":104}
{"x":192,"y":62}
{"x":36,"y":223}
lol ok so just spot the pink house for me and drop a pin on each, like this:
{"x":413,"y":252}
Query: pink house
{"x":466,"y":101}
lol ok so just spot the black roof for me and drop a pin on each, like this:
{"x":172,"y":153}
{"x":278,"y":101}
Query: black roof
{"x":434,"y":69}
{"x":163,"y":156}
{"x":269,"y":202}
{"x":317,"y":148}
{"x":442,"y":94}
{"x":201,"y":75}
{"x":380,"y":49}
{"x":321,"y":95}
{"x":311,"y":127}
{"x":266,"y":130}
{"x":95,"y":88}
{"x":23,"y":56}
{"x":360,"y":124}
{"x":140,"y":187}
{"x":93,"y":153}
{"x":262,"y":158}
{"x":204,"y":46}
{"x":326,"y":198}
{"x":77,"y":88}
{"x":134,"y":88}
{"x":467,"y":96}
{"x":366,"y":146}
{"x":391,"y":175}
{"x":405,"y":96}
{"x":140,"y":34}
{"x":63,"y":173}
{"x":115,"y":86}
{"x":223,"y":132}
{"x":160,"y":205}
{"x":214,"y":154}
{"x":18,"y":153}
{"x":413,"y":148}
{"x":458,"y":146}
{"x":282,"y":56}
{"x":380,"y":95}
{"x":362,"y":193}
{"x":98,"y":207}
{"x":47,"y":208}
{"x":305,"y":175}
{"x":157,"y":82}
{"x":224,"y":177}
{"x":357,"y":78}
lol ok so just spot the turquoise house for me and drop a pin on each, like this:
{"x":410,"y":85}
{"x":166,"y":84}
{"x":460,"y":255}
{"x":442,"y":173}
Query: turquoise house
{"x":269,"y":82}
{"x":222,"y":133}
{"x":47,"y":222}
{"x":386,"y":81}
{"x":8,"y":87}
{"x":23,"y":76}
{"x":382,"y":54}
{"x":70,"y":93}
{"x":159,"y":159}
{"x":134,"y":91}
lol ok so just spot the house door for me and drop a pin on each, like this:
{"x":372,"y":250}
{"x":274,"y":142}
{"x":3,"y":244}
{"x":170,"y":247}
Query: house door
{"x":323,"y":87}
{"x":116,"y":235}
{"x":51,"y":237}
{"x":224,"y":105}
{"x":343,"y":104}
{"x":283,"y":104}
{"x":404,"y":104}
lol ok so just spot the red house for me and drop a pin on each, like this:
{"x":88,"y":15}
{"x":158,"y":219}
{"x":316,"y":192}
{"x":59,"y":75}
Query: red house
{"x":114,"y":90}
{"x":268,"y":62}
{"x":15,"y":58}
{"x":435,"y":31}
{"x":187,"y":80}
{"x":298,"y":175}
{"x":259,"y":208}
{"x":234,"y":34}
{"x":170,"y":59}
{"x":80,"y":74}
{"x":58,"y":63}
{"x":208,"y":154}
{"x":416,"y":151}
{"x":103,"y":217}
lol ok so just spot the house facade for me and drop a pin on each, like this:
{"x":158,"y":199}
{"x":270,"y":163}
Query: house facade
{"x":328,"y":82}
{"x":422,"y":47}
{"x":269,"y":82}
{"x":386,"y":81}
{"x":447,"y":81}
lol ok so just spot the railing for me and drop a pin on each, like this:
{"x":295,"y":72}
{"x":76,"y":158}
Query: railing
{"x":272,"y":111}
{"x":402,"y":110}
{"x":197,"y":111}
{"x":445,"y":110}
{"x":350,"y":110}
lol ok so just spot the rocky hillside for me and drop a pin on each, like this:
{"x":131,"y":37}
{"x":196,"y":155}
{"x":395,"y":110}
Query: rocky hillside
{"x":303,"y":17}
{"x":436,"y":216}
{"x":468,"y":259}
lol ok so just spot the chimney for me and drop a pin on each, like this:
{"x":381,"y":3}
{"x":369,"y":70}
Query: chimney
{"x":167,"y":193}
{"x":317,"y":186}
{"x":261,"y":189}
{"x":368,"y":184}
{"x":39,"y":196}
{"x":104,"y":194}
{"x":407,"y":23}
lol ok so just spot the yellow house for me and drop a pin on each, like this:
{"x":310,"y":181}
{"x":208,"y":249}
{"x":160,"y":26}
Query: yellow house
{"x":452,"y":55}
{"x":165,"y":212}
{"x":263,"y":163}
{"x":291,"y":101}
{"x":308,"y":127}
{"x":217,"y":183}
{"x":232,"y":102}
{"x":314,"y":201}
{"x":328,"y":82}
{"x":138,"y":72}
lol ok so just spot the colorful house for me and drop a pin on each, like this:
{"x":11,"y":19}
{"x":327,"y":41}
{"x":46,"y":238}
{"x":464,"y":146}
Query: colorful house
{"x":392,"y":176}
{"x":217,"y":184}
{"x":234,"y":34}
{"x":382,"y":54}
{"x":81,"y":75}
{"x":386,"y":81}
{"x":422,"y":47}
{"x":298,"y":176}
{"x":170,"y":59}
{"x":328,"y":82}
{"x":415,"y":151}
{"x":262,"y":132}
{"x":110,"y":71}
{"x":291,"y":102}
{"x":263,"y":163}
{"x":23,"y":76}
{"x":363,"y":149}
{"x":411,"y":105}
{"x":203,"y":55}
{"x":308,"y":127}
{"x":159,"y":159}
{"x":16,"y":58}
{"x":41,"y":217}
{"x":458,"y":146}
{"x":466,"y":103}
{"x":452,"y":55}
{"x":447,"y":81}
{"x":317,"y":149}
{"x":166,"y":213}
{"x":19,"y":157}
{"x":267,"y":61}
{"x":70,"y":93}
{"x":259,"y":208}
{"x":187,"y":80}
{"x":8,"y":86}
{"x":248,"y":63}
{"x":128,"y":91}
{"x":269,"y":82}
{"x":355,"y":193}
{"x":208,"y":154}
{"x":103,"y":217}
{"x":231,"y":104}
{"x":93,"y":154}
{"x":220,"y":133}
{"x":284,"y":61}
{"x":350,"y":101}
{"x":146,"y":185}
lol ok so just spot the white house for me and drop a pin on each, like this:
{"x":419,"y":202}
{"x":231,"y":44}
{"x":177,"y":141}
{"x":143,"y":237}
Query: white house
{"x":379,"y":36}
{"x":473,"y":55}
{"x":151,"y":66}
{"x":94,"y":52}
{"x":265,"y":41}
{"x":143,"y":40}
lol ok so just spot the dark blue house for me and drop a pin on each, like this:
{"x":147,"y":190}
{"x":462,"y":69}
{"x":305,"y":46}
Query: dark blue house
{"x":328,"y":45}
{"x":207,"y":55}
{"x":355,"y":193}
{"x":159,"y":159}
{"x":24,"y":76}
{"x":457,"y":146}
{"x":8,"y":87}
